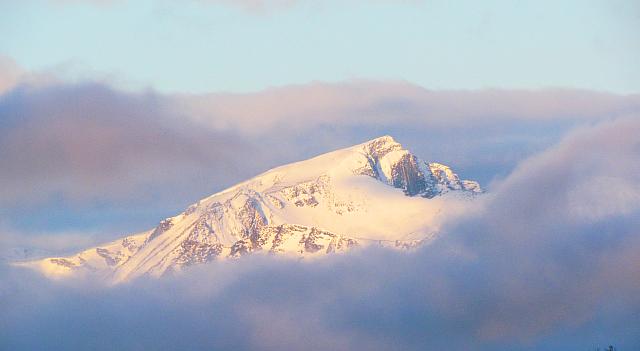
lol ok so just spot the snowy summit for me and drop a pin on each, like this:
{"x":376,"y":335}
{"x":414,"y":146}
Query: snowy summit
{"x":376,"y":192}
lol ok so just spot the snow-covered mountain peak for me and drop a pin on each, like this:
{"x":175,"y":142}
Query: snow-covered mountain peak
{"x":375,"y":192}
{"x":388,"y":139}
{"x":380,"y":146}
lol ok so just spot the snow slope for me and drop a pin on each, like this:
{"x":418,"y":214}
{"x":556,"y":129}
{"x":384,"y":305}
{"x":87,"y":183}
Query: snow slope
{"x":372,"y":193}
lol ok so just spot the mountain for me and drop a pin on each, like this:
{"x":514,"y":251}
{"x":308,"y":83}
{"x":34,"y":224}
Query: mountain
{"x":372,"y":193}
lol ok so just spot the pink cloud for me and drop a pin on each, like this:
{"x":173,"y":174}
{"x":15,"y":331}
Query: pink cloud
{"x":349,"y":103}
{"x":10,"y":74}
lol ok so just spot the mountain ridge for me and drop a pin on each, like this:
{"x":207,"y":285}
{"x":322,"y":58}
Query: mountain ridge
{"x":375,"y":192}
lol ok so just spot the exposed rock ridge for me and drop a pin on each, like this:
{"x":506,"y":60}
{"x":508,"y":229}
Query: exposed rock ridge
{"x":389,"y":162}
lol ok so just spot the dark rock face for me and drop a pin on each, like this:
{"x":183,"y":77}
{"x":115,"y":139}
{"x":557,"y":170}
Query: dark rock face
{"x":241,"y":248}
{"x":63,"y":262}
{"x":379,"y":147}
{"x":306,"y":194}
{"x":406,"y":175}
{"x":202,"y":228}
{"x":161,"y":228}
{"x":316,"y":240}
{"x":280,"y":234}
{"x":409,"y":173}
{"x":307,"y":240}
{"x":194,"y":252}
{"x":130,"y":245}
{"x":252,"y":219}
{"x":104,"y":253}
{"x":431,"y":186}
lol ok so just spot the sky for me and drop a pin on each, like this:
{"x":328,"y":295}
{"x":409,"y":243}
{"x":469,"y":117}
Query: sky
{"x":116,"y":114}
{"x":240,"y":46}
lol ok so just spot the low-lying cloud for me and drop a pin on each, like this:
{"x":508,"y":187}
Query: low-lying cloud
{"x":85,"y":156}
{"x":544,"y":265}
{"x":388,"y":103}
{"x":89,"y":141}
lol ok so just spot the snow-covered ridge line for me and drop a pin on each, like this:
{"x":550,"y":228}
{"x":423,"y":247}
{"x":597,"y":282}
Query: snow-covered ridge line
{"x":374,"y":193}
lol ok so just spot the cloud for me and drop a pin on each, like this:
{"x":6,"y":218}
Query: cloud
{"x":88,"y":140}
{"x":558,"y":251}
{"x":9,"y":73}
{"x":83,"y":142}
{"x":19,"y":245}
{"x":81,"y":152}
{"x":481,"y":133}
{"x":13,"y":75}
{"x":528,"y":272}
{"x":388,"y":103}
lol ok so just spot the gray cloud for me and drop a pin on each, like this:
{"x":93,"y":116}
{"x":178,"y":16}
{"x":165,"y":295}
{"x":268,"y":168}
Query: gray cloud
{"x":91,"y":141}
{"x":560,"y":235}
{"x":541,"y":266}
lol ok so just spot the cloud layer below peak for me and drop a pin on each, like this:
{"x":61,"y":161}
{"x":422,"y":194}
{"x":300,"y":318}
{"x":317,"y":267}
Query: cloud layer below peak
{"x":541,"y":266}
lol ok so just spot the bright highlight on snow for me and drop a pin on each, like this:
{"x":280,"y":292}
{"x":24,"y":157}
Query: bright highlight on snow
{"x":375,"y":193}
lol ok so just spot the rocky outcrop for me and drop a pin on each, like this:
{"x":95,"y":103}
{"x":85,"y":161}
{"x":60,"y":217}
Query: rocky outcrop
{"x":388,"y":162}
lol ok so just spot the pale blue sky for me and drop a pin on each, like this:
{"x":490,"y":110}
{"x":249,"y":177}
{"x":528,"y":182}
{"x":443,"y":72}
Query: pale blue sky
{"x":200,"y":46}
